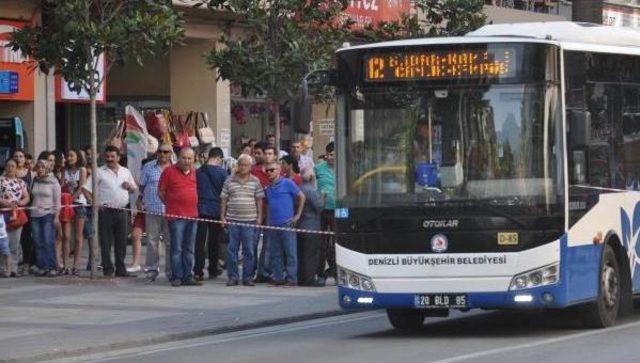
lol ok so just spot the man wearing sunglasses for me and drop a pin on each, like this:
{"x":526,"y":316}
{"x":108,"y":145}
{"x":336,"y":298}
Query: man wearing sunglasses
{"x":149,"y":201}
{"x":285,"y":202}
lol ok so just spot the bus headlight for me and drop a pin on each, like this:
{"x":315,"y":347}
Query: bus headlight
{"x":354,"y":280}
{"x":543,"y":276}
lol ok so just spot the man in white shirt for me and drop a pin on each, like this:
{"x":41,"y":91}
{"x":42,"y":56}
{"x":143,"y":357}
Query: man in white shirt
{"x":304,"y":162}
{"x":115,"y":184}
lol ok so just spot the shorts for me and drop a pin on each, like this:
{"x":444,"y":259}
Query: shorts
{"x":4,"y":247}
{"x":139,"y":221}
{"x":81,"y":210}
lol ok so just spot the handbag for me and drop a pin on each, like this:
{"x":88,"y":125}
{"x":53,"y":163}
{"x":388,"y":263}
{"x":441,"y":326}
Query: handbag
{"x":15,"y":219}
{"x":152,"y":144}
{"x":66,"y":210}
{"x":156,"y":124}
{"x":116,"y":138}
{"x":190,"y":127}
{"x":205,"y":134}
{"x":179,"y":133}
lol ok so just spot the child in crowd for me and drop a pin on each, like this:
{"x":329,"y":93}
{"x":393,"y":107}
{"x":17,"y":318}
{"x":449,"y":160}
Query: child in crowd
{"x":5,"y":253}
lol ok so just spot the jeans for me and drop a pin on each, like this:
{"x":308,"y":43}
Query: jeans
{"x":26,"y":242}
{"x":113,"y":230}
{"x":155,"y":226}
{"x":14,"y":246}
{"x":245,"y":236}
{"x":44,"y":239}
{"x":279,"y":242}
{"x":207,"y":245}
{"x":264,"y":259}
{"x":183,"y":239}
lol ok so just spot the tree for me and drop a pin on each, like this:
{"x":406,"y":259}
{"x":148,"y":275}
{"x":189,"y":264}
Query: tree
{"x":75,"y":33}
{"x":282,"y":41}
{"x":435,"y":18}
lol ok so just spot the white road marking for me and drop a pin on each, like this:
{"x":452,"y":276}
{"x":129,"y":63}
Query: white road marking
{"x":222,"y":338}
{"x":549,"y":341}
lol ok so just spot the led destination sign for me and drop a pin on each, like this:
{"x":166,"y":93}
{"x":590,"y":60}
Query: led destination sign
{"x":445,"y":64}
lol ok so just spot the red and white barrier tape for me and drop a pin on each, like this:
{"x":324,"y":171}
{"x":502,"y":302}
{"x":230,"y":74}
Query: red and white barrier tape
{"x":197,"y":219}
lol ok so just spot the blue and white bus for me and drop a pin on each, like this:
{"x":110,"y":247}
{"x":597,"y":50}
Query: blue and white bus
{"x":497,"y":170}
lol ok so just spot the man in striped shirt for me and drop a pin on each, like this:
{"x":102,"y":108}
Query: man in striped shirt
{"x":241,"y":201}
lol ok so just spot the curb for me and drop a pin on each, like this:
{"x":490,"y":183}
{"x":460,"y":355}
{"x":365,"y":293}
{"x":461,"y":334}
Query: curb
{"x":175,"y":337}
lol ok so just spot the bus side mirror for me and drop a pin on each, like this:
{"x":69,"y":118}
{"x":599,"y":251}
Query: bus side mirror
{"x":579,"y":128}
{"x":302,"y":102}
{"x":301,"y":109}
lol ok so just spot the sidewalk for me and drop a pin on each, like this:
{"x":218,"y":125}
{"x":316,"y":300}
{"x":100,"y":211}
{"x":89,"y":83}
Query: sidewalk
{"x":46,"y":318}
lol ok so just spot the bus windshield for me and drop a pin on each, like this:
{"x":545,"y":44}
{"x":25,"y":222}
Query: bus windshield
{"x":493,"y":142}
{"x":497,"y":144}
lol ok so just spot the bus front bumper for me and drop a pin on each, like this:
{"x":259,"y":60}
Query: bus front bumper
{"x":551,"y":296}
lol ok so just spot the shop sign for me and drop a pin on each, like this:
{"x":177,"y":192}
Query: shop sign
{"x":326,"y":127}
{"x":365,"y":12}
{"x":65,"y":94}
{"x":16,"y":74}
{"x":9,"y":82}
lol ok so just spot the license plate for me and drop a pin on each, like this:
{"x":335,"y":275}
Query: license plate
{"x":439,"y":301}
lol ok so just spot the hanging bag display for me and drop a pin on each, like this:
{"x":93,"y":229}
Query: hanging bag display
{"x":116,"y":138}
{"x":180,"y":136}
{"x":191,"y":125}
{"x":205,"y":134}
{"x":156,"y":124}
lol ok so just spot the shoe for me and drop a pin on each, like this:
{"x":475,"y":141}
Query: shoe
{"x":4,"y":275}
{"x":232,"y":283}
{"x":108,"y":274}
{"x":191,"y":283}
{"x":261,"y":279}
{"x":248,"y":283}
{"x":151,"y":276}
{"x":42,"y":272}
{"x":13,"y":274}
{"x":291,"y":284}
{"x":135,"y":268}
{"x":34,"y":270}
{"x":52,"y":273}
{"x":75,"y":272}
{"x":176,"y":283}
{"x":198,"y":277}
{"x":316,"y":283}
{"x":276,"y":283}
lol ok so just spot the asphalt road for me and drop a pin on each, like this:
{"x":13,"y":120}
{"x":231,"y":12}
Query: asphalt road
{"x":368,"y":337}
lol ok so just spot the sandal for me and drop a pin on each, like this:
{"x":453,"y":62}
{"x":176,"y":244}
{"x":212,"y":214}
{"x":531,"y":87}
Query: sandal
{"x":75,"y":272}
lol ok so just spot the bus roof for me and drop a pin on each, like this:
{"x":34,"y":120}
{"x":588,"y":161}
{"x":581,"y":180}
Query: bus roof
{"x":569,"y":35}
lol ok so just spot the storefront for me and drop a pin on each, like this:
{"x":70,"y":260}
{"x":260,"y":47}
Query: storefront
{"x":26,"y":105}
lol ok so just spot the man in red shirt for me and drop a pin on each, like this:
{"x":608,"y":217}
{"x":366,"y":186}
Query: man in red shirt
{"x":178,"y":190}
{"x":257,"y":169}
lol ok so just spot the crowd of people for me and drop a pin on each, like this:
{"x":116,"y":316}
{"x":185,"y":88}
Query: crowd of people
{"x":194,"y":204}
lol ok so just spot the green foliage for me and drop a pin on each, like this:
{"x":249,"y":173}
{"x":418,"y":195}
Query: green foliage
{"x":75,"y":32}
{"x":281,"y":41}
{"x":437,"y":18}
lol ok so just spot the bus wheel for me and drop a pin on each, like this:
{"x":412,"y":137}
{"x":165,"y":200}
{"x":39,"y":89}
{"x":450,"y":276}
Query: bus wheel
{"x":604,"y":311}
{"x":406,"y":319}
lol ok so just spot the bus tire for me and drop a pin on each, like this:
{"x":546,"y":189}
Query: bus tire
{"x":603,"y":312}
{"x":406,"y":319}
